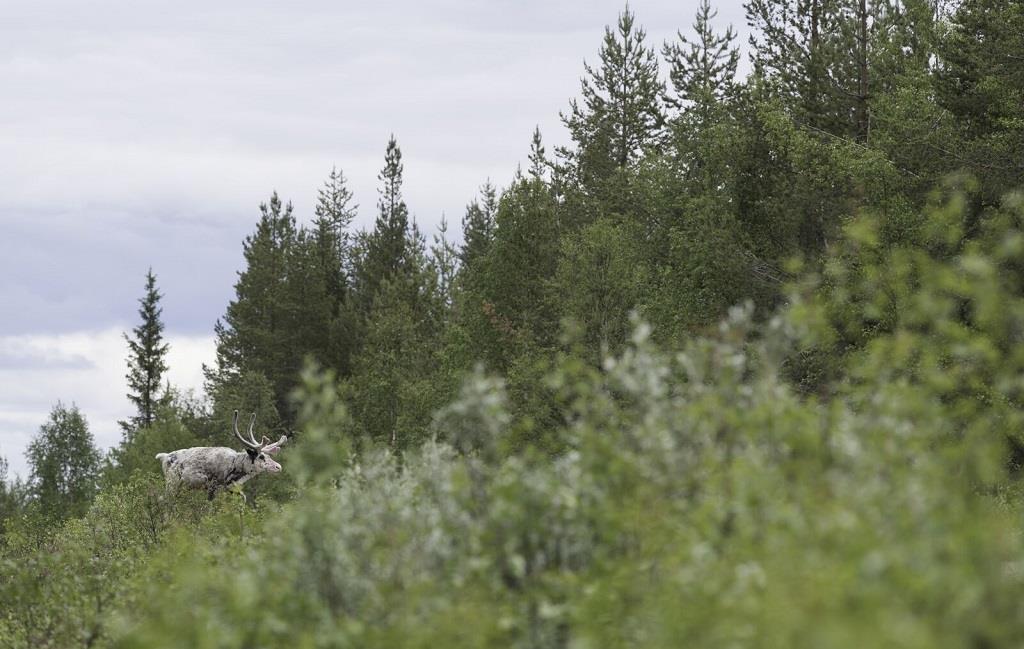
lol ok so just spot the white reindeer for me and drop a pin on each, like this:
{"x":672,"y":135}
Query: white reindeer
{"x":216,"y":468}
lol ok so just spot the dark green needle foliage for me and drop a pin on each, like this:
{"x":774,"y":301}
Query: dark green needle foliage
{"x":386,"y":252}
{"x":981,"y":82}
{"x":147,"y":360}
{"x":620,"y":117}
{"x":478,"y":225}
{"x":703,"y":67}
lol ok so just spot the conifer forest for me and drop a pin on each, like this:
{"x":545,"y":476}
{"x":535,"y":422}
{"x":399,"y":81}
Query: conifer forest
{"x":742,"y":365}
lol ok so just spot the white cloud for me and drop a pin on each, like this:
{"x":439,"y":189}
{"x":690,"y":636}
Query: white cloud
{"x":86,"y":368}
{"x":207,"y":108}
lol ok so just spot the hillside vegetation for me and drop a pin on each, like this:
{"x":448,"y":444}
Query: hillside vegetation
{"x":742,"y":366}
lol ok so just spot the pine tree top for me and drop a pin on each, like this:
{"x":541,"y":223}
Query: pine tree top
{"x":702,"y":68}
{"x":621,"y":98}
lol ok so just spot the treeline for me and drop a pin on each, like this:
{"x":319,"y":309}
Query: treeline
{"x":835,"y":460}
{"x":677,"y":199}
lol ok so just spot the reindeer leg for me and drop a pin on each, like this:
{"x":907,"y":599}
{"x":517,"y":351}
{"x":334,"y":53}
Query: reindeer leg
{"x":241,"y":512}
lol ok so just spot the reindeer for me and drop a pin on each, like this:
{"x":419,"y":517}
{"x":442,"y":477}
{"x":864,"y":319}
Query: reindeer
{"x":216,"y":468}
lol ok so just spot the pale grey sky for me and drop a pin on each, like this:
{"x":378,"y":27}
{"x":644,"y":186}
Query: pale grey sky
{"x":146,"y":133}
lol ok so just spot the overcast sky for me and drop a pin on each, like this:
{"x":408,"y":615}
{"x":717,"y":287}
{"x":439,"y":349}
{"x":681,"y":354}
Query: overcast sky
{"x":145,"y":133}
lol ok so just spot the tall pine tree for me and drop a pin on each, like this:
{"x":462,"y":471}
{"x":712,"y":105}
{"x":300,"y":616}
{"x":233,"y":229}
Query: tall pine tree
{"x":331,"y":247}
{"x":147,"y":354}
{"x":702,"y":70}
{"x":385,"y":251}
{"x":620,"y":116}
{"x":478,"y":225}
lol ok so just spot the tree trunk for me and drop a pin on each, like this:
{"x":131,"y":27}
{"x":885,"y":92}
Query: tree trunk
{"x":862,"y":115}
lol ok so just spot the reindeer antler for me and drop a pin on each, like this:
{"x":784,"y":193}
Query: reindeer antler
{"x":264,"y":444}
{"x":247,"y":443}
{"x":252,"y":424}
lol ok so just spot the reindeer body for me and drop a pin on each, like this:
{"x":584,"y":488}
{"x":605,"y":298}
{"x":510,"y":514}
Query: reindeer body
{"x":212,"y":468}
{"x":216,"y":468}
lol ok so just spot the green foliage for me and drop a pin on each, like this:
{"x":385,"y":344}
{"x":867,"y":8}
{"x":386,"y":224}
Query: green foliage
{"x":334,"y":213}
{"x":942,"y":315}
{"x":794,"y":188}
{"x":837,"y":462}
{"x":394,"y":389}
{"x":64,"y":464}
{"x":508,"y":306}
{"x":64,"y":586}
{"x":700,"y":498}
{"x":708,"y":269}
{"x":474,"y":423}
{"x":444,"y":266}
{"x":325,"y":424}
{"x":981,"y":82}
{"x":256,"y":334}
{"x":12,"y":498}
{"x":58,"y":592}
{"x":828,"y":59}
{"x":329,"y":319}
{"x":248,"y":392}
{"x":291,"y":301}
{"x":601,"y":277}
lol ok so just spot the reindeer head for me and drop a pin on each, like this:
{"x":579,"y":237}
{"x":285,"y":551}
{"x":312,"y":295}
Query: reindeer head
{"x":259,"y":452}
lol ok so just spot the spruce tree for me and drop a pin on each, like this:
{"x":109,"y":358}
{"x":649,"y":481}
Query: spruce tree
{"x":394,"y":388}
{"x":257,"y":333}
{"x":787,"y":48}
{"x":146,"y":360}
{"x":620,"y":117}
{"x":64,"y":464}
